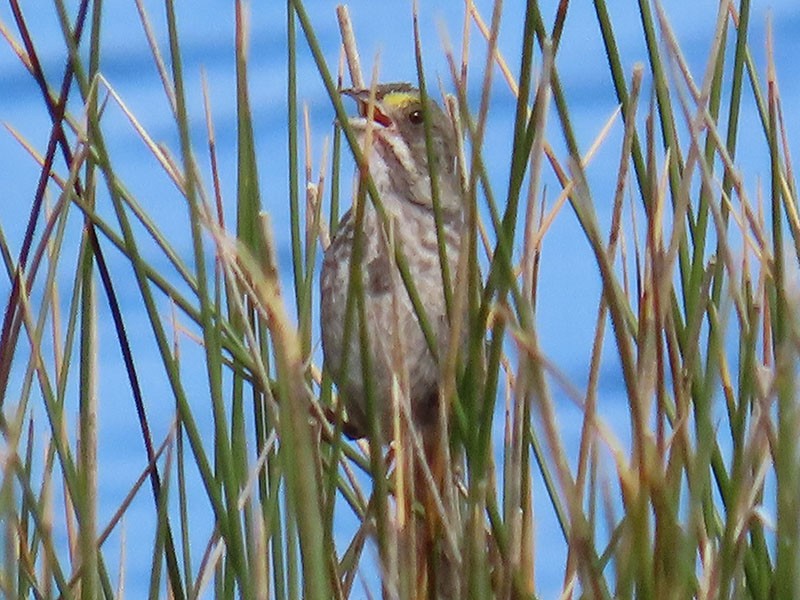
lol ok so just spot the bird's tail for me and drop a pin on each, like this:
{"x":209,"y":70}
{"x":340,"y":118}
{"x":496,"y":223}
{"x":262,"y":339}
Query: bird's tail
{"x":435,"y":571}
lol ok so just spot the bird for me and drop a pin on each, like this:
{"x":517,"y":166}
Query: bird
{"x":397,"y":161}
{"x":390,"y":129}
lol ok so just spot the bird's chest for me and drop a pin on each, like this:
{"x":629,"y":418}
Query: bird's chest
{"x":407,"y":238}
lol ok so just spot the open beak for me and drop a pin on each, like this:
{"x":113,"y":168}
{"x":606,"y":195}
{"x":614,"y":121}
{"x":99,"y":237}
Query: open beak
{"x":362,"y":98}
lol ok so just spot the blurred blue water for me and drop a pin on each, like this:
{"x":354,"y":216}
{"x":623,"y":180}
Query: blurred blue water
{"x":569,"y":286}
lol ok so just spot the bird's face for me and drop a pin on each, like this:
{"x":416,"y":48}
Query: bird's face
{"x":398,"y":154}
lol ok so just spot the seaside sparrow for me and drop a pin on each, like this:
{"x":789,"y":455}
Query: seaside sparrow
{"x":398,"y":165}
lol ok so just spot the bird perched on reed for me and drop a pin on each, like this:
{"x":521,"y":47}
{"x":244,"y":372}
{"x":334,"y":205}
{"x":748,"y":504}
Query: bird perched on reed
{"x":404,"y":364}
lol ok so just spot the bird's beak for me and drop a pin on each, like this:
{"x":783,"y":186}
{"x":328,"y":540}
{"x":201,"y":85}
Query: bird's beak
{"x":362,"y":98}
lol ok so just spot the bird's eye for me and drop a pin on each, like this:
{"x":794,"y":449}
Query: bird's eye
{"x":415,"y":116}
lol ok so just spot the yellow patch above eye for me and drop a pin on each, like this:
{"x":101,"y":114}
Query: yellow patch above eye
{"x":399,"y":99}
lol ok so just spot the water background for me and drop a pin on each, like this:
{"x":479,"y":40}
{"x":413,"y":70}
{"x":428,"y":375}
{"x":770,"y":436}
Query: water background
{"x":569,"y":285}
